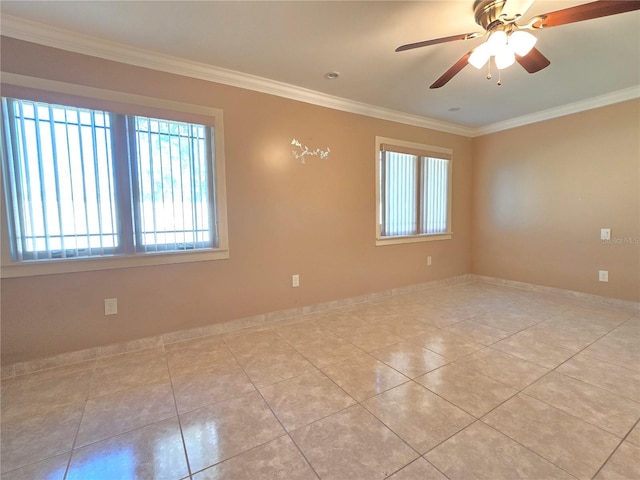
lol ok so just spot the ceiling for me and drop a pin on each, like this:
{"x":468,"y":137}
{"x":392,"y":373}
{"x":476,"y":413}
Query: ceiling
{"x":298,"y":42}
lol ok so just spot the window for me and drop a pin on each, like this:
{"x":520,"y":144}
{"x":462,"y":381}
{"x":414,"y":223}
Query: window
{"x":413,"y":192}
{"x":88,"y":184}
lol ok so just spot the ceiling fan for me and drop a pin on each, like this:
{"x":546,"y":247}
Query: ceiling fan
{"x":508,"y":41}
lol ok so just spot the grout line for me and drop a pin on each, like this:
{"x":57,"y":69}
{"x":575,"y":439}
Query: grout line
{"x":529,"y":449}
{"x":479,"y":419}
{"x":554,"y":407}
{"x":521,"y":391}
{"x":84,"y":409}
{"x":624,"y":439}
{"x":286,"y":432}
{"x":424,"y":457}
{"x":175,"y":405}
{"x":357,"y":403}
{"x":272,"y":328}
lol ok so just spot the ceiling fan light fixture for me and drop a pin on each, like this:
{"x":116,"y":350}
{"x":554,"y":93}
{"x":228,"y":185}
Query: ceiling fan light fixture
{"x":497,"y":40}
{"x":521,"y":42}
{"x":480,"y":56}
{"x":499,"y":19}
{"x":504,"y":58}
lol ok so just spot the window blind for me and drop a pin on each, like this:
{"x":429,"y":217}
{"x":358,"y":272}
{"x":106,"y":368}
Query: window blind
{"x":437,"y":183}
{"x":414,"y":192}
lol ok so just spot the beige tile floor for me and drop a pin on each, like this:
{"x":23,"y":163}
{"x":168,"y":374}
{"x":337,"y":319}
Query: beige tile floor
{"x":473,"y":381}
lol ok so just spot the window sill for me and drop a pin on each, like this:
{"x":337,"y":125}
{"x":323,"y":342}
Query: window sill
{"x":413,"y":239}
{"x":50,"y":267}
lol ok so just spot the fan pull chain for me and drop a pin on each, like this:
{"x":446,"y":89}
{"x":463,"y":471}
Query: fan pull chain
{"x":489,"y":73}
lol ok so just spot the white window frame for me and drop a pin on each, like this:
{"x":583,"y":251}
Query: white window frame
{"x":428,"y":150}
{"x":10,"y":268}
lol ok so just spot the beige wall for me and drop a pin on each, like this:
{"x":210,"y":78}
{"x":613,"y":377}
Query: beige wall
{"x":316,"y":220}
{"x":541,"y":194}
{"x":531,"y":212}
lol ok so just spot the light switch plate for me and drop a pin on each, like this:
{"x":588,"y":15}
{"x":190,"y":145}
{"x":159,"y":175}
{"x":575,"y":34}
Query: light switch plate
{"x":605,"y":234}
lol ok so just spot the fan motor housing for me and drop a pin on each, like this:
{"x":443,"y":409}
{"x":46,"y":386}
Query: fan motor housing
{"x":487,"y":12}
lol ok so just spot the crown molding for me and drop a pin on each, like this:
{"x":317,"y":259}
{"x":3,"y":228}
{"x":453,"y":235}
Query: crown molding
{"x":39,"y":33}
{"x":26,"y":30}
{"x":569,"y":109}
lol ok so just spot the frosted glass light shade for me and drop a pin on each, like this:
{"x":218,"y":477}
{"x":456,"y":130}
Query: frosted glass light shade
{"x":504,"y":58}
{"x":480,"y":55}
{"x":497,"y":40}
{"x":521,"y":42}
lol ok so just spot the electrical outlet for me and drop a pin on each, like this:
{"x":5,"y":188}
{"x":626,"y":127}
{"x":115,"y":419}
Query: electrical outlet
{"x":429,"y":260}
{"x":603,"y":275}
{"x":110,"y":306}
{"x":605,"y":234}
{"x":295,"y":280}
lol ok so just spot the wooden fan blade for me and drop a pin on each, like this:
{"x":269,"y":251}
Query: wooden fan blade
{"x":426,"y":43}
{"x":534,"y":61}
{"x":452,"y":72}
{"x":586,"y":11}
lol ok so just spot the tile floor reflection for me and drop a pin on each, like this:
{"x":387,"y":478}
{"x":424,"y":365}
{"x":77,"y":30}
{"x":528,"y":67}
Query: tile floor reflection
{"x":465,"y":381}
